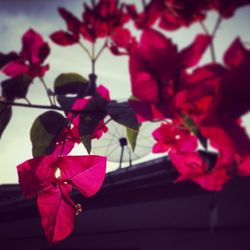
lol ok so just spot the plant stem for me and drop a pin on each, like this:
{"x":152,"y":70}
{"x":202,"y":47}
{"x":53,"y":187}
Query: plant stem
{"x":206,"y":31}
{"x":85,"y":49}
{"x":93,"y":58}
{"x":109,"y":120}
{"x":27,"y":100}
{"x":47,"y":90}
{"x":66,"y":132}
{"x":217,"y":25}
{"x":204,"y":28}
{"x":36,"y":106}
{"x":101,"y":50}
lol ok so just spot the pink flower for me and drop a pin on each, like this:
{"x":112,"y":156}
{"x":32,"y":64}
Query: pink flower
{"x":31,"y":58}
{"x":102,"y":18}
{"x":80,"y":103}
{"x":176,"y":14}
{"x":192,"y":167}
{"x":52,"y":178}
{"x":157,"y":68}
{"x":173,"y":136}
{"x":98,"y":21}
{"x":65,"y":38}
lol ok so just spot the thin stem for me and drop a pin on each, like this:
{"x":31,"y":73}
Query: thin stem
{"x":101,"y":50}
{"x":85,"y":49}
{"x":93,"y":58}
{"x":27,"y":100}
{"x":93,"y":66}
{"x":109,"y":120}
{"x":66,"y":132}
{"x":204,"y":28}
{"x":47,"y":90}
{"x":216,"y":26}
{"x":36,"y":106}
{"x":206,"y":31}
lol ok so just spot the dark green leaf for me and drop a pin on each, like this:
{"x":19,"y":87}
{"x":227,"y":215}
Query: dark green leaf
{"x":86,"y":141}
{"x":70,"y":83}
{"x":123,"y":114}
{"x":44,"y":132}
{"x":94,"y":112}
{"x":16,"y":87}
{"x":191,"y":126}
{"x":66,"y":102}
{"x":132,"y":137}
{"x":5,"y":115}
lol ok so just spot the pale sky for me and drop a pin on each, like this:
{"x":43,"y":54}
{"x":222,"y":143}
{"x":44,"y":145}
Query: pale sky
{"x":16,"y":16}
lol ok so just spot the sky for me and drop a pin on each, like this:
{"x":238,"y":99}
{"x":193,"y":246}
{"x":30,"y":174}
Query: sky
{"x":16,"y":16}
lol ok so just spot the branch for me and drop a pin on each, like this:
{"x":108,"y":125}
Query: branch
{"x":37,"y":106}
{"x":85,"y":49}
{"x":34,"y":106}
{"x":47,"y":90}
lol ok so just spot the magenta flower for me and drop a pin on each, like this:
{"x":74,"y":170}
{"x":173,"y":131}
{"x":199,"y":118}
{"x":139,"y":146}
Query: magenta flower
{"x":157,"y":68}
{"x":52,"y":178}
{"x":31,"y":57}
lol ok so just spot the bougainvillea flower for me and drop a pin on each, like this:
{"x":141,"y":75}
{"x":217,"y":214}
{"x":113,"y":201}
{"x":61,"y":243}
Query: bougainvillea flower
{"x":122,"y":41}
{"x":148,"y":16}
{"x":173,"y":136}
{"x":196,"y":97}
{"x":71,"y":36}
{"x":243,"y":168}
{"x":228,"y":137}
{"x":66,"y":141}
{"x":156,"y":67}
{"x":177,"y":14}
{"x":100,"y":19}
{"x":31,"y":58}
{"x":191,"y":166}
{"x":227,"y":8}
{"x":51,"y":178}
{"x":234,"y":95}
{"x":80,"y":103}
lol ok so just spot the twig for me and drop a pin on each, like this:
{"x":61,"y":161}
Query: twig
{"x":93,"y":58}
{"x":47,"y":90}
{"x":101,"y":50}
{"x":215,"y":29}
{"x":36,"y":106}
{"x":27,"y":100}
{"x":85,"y":49}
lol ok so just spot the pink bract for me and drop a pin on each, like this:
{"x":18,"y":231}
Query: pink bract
{"x":51,"y":178}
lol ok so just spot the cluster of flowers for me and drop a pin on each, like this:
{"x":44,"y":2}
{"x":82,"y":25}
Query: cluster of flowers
{"x":199,"y":105}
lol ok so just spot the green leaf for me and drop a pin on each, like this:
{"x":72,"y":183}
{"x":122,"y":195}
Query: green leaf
{"x":132,"y":137}
{"x":86,"y":141}
{"x":16,"y":87}
{"x":5,"y":115}
{"x":94,"y":112}
{"x":66,"y":102}
{"x":191,"y":126}
{"x":123,"y":114}
{"x":70,"y":83}
{"x":45,"y":131}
